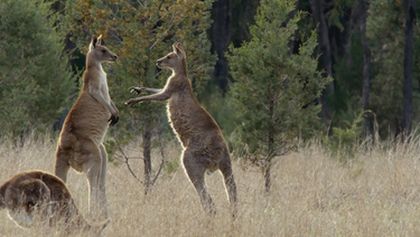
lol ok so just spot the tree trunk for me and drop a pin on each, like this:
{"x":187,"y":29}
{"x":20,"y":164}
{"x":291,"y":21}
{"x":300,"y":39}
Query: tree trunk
{"x":317,"y":7}
{"x":408,"y":67}
{"x":267,"y":176}
{"x":220,"y":36}
{"x":147,"y":137}
{"x":367,"y":124}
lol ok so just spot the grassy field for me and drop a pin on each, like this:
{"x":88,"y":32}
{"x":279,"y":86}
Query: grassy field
{"x":375,"y":194}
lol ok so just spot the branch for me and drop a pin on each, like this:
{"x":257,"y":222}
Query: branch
{"x":162,"y":162}
{"x":126,"y":158}
{"x":164,"y":33}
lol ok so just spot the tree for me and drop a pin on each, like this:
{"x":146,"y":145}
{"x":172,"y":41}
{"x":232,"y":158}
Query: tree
{"x":231,"y":20}
{"x":140,"y":32}
{"x":35,"y":83}
{"x":408,"y":67}
{"x":326,"y":62}
{"x":384,"y":29}
{"x":274,"y":88}
{"x":367,"y":124}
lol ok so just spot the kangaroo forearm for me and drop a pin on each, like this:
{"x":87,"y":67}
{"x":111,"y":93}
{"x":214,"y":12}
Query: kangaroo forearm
{"x":163,"y":95}
{"x":140,"y":89}
{"x":102,"y":101}
{"x":113,"y":106}
{"x":159,"y":96}
{"x":152,"y":90}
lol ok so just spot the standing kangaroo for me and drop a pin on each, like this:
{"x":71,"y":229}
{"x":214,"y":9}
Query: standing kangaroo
{"x":35,"y":198}
{"x":80,"y":144}
{"x":204,"y":147}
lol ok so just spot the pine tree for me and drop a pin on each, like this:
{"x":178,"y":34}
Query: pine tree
{"x":274,"y":89}
{"x":35,"y":82}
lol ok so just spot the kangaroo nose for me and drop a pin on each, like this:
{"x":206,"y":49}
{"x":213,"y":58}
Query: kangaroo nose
{"x":115,"y":57}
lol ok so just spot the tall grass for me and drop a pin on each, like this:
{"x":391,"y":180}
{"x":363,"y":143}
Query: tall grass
{"x":376,"y":193}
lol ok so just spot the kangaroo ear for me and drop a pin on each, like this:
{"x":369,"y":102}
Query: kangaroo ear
{"x":93,"y":43}
{"x":178,"y":49}
{"x":99,"y":40}
{"x":174,"y":48}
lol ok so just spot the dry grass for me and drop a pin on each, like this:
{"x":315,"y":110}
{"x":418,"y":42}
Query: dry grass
{"x":376,"y":194}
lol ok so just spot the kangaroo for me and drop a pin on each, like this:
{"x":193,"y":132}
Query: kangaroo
{"x":35,"y":197}
{"x":80,"y":144}
{"x":204,"y":147}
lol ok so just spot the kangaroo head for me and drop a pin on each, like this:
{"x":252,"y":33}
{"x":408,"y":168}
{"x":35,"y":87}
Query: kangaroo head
{"x":174,"y":60}
{"x":32,"y":194}
{"x":99,"y":52}
{"x":26,"y":199}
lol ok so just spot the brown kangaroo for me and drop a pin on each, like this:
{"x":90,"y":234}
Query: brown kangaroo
{"x":35,"y":197}
{"x":204,"y":147}
{"x":80,"y":144}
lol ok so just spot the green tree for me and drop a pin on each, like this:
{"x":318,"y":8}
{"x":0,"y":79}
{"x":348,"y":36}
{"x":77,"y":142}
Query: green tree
{"x":275,"y":89}
{"x":35,"y":82}
{"x":385,"y":31}
{"x":140,"y":32}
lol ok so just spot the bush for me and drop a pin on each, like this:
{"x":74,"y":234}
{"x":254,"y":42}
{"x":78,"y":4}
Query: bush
{"x":35,"y":82}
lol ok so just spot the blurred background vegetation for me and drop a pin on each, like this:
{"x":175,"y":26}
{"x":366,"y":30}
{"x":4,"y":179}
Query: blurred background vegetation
{"x":273,"y":73}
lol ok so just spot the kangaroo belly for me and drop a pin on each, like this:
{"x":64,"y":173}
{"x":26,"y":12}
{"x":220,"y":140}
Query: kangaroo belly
{"x":89,"y":119}
{"x":190,"y":122}
{"x":179,"y":124}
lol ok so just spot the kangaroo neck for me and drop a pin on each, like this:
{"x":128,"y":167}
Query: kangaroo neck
{"x":181,"y":70}
{"x":180,"y":82}
{"x":91,"y":63}
{"x":93,"y":72}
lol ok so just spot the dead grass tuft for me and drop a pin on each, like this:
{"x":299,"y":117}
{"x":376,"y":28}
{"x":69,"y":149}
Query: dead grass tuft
{"x":375,"y":194}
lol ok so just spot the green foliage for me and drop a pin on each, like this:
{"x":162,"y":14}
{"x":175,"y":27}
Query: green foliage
{"x":385,"y":30}
{"x":386,"y":34}
{"x":337,"y":11}
{"x":171,"y":166}
{"x":140,"y":33}
{"x":275,"y":90}
{"x":348,"y":81}
{"x":35,"y":82}
{"x":346,"y":138}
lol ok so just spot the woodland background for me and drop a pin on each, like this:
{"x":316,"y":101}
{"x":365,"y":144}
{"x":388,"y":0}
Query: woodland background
{"x":275,"y":74}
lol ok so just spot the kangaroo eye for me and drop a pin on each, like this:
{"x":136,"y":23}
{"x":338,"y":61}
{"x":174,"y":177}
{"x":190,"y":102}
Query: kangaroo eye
{"x":103,"y":51}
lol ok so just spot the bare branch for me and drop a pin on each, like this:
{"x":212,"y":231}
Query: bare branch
{"x":126,"y":159}
{"x":162,"y":162}
{"x":164,"y":34}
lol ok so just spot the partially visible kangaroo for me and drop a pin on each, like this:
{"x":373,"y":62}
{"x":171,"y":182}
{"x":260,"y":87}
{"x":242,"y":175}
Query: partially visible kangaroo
{"x":80,"y":144}
{"x":204,"y":147}
{"x":35,"y":198}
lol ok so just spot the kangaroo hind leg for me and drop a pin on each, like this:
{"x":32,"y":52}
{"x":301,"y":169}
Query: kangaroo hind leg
{"x":93,"y":167}
{"x":195,"y":172}
{"x":230,"y":185}
{"x":62,"y":165}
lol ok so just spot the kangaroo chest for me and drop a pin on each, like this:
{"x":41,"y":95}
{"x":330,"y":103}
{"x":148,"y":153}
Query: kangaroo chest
{"x":103,"y":86}
{"x":179,"y":113}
